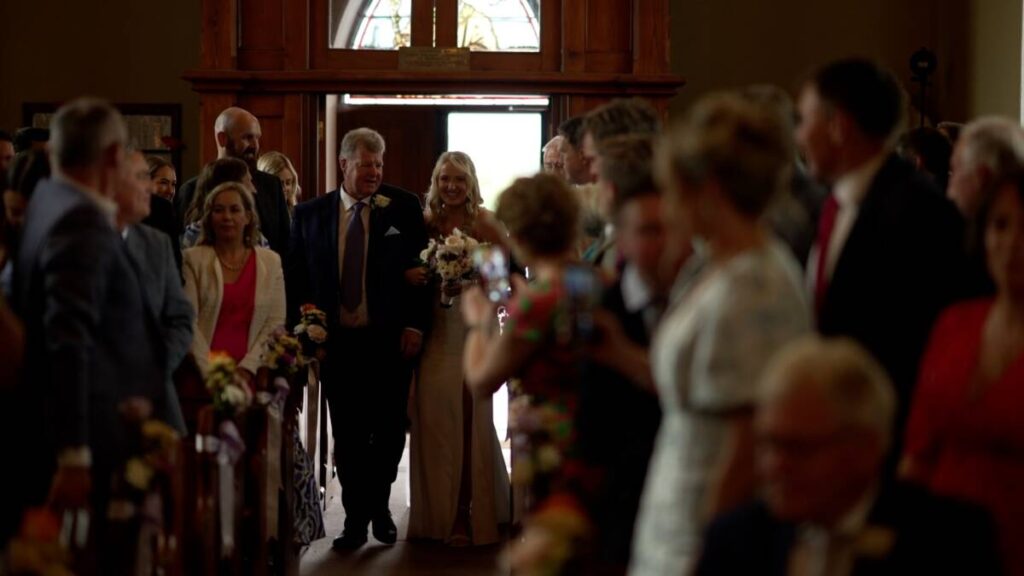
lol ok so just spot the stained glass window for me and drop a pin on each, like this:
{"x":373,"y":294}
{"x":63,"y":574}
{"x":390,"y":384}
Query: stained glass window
{"x":482,"y":25}
{"x":499,"y":25}
{"x":371,"y":25}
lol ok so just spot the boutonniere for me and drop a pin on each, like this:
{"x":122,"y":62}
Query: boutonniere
{"x":874,"y":542}
{"x":380,"y":201}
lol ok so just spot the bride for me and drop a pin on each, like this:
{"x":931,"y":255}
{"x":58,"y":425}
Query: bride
{"x":459,"y":483}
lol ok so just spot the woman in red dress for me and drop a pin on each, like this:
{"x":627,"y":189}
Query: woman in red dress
{"x":966,"y":433}
{"x":236,"y":287}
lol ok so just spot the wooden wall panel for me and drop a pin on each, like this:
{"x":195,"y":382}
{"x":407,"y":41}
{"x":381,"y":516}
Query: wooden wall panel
{"x":261,"y":36}
{"x":574,"y":35}
{"x":211,"y":105}
{"x":296,"y":34}
{"x":651,"y":37}
{"x":219,"y":35}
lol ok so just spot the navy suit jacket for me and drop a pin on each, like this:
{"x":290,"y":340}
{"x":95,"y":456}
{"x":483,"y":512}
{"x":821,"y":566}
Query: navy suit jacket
{"x":396,"y":237}
{"x":902,"y":263}
{"x":92,"y":340}
{"x":932,"y":535}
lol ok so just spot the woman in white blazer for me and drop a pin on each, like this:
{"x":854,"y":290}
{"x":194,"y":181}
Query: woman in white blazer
{"x":236,"y":287}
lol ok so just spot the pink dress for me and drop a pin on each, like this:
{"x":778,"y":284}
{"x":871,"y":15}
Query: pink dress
{"x":972,"y":448}
{"x":236,"y":309}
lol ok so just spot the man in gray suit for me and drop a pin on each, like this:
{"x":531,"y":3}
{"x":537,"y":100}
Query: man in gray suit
{"x":153,"y":257}
{"x":90,"y":343}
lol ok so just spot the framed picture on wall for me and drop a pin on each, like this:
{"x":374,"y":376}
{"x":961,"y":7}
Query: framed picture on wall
{"x":153,"y":129}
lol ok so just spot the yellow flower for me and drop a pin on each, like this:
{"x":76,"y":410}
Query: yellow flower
{"x":138,"y":473}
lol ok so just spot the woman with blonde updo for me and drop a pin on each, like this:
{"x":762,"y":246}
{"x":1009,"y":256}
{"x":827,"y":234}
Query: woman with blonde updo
{"x":459,"y":483}
{"x":719,"y":170}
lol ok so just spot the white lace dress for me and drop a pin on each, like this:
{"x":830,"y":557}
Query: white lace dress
{"x":706,"y":359}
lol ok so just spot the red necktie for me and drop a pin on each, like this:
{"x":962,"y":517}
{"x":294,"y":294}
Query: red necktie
{"x":826,"y":223}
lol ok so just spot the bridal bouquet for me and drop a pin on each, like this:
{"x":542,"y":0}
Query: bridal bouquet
{"x":231,"y":394}
{"x":451,"y":260}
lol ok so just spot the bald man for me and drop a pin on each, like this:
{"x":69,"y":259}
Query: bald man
{"x":238,"y":136}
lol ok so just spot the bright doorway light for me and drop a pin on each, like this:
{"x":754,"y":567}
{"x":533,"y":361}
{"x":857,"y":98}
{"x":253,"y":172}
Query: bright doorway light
{"x":503,"y":146}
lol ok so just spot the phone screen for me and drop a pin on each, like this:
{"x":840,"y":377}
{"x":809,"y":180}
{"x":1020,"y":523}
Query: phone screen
{"x":492,"y":264}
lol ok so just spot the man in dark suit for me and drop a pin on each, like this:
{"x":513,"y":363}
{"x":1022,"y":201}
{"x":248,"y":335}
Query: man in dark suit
{"x":350,"y":251}
{"x":618,"y":418}
{"x":152,"y":256}
{"x":90,"y":343}
{"x":162,"y":217}
{"x":823,"y":425}
{"x":889,"y":250}
{"x":238,"y":135}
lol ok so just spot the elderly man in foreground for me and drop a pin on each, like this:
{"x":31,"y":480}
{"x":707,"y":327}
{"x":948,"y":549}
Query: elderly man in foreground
{"x":823,"y":425}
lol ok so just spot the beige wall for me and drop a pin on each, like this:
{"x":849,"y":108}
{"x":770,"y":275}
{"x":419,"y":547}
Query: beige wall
{"x":122,"y":50}
{"x":996,"y":57}
{"x":721,"y":44}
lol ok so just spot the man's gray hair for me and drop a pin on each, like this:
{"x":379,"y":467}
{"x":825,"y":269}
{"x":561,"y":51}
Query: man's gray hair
{"x":82,"y":129}
{"x":994,"y":142}
{"x":553,"y":142}
{"x":843,"y":372}
{"x":368,"y":138}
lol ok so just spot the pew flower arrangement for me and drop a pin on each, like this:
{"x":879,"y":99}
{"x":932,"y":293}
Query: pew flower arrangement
{"x":283,"y":355}
{"x":312,"y":333}
{"x":37,"y":549}
{"x":231,"y":393}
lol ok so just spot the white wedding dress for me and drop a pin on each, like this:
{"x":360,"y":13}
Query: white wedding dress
{"x":436,"y":453}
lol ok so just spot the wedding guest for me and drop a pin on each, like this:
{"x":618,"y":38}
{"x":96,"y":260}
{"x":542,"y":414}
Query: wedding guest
{"x":31,"y":138}
{"x":27,"y":169}
{"x":609,"y":401}
{"x":238,"y":135}
{"x":793,"y":216}
{"x":153,"y":257}
{"x":964,"y":438}
{"x":719,"y":169}
{"x":929,"y":151}
{"x":236,"y":287}
{"x":824,"y":419}
{"x":457,"y":474}
{"x":988,"y":150}
{"x":616,"y":118}
{"x":619,"y":117}
{"x":551,"y":154}
{"x":889,"y":254}
{"x":277,"y":164}
{"x":165,"y":178}
{"x":577,"y":174}
{"x":214,"y":174}
{"x":6,"y":151}
{"x":90,"y":337}
{"x":537,"y":345}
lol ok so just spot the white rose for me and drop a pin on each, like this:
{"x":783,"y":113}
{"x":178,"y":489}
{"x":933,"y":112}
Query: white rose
{"x":317,"y":334}
{"x":453,"y":241}
{"x":235,"y":396}
{"x":299,"y":329}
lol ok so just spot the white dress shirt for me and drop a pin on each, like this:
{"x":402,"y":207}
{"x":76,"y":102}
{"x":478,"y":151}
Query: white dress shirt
{"x":849,"y":191}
